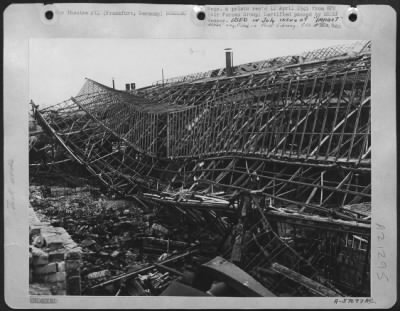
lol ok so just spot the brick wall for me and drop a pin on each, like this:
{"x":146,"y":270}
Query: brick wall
{"x":54,"y":259}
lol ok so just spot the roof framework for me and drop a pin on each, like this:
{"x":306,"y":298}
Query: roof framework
{"x":295,"y":132}
{"x":303,"y":131}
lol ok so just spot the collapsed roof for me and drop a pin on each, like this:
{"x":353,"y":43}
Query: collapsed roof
{"x":293,"y":130}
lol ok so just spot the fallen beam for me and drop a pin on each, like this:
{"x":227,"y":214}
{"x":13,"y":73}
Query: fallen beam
{"x":319,"y":222}
{"x":143,"y":270}
{"x":313,"y":286}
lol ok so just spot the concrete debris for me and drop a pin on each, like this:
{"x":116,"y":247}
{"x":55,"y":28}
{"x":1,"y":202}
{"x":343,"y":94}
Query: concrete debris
{"x":50,"y":251}
{"x":115,"y":237}
{"x":252,"y":180}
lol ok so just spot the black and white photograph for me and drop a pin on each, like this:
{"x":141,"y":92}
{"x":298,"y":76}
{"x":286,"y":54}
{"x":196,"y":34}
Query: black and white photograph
{"x":225,"y":168}
{"x":237,"y":156}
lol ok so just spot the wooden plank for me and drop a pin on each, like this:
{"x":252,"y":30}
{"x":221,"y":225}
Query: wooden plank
{"x":344,"y":79}
{"x":366,"y":83}
{"x":299,"y":112}
{"x":353,"y":91}
{"x":291,"y":108}
{"x":275,"y":104}
{"x":316,"y":114}
{"x":321,"y":134}
{"x":346,"y":178}
{"x":314,"y":287}
{"x":268,"y":109}
{"x":284,"y":101}
{"x":309,"y":103}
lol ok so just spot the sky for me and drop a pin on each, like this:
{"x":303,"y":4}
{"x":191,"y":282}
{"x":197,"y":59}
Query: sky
{"x":58,"y":67}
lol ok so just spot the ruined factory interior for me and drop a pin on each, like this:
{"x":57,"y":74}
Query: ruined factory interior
{"x":249,"y":180}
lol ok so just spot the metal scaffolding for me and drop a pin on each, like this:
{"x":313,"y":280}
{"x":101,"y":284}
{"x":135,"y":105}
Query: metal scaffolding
{"x":303,"y":130}
{"x":295,"y":130}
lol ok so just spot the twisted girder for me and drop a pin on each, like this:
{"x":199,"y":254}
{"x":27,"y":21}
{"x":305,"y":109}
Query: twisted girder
{"x":356,"y":48}
{"x":325,"y":119}
{"x":322,"y":115}
{"x":284,"y":132}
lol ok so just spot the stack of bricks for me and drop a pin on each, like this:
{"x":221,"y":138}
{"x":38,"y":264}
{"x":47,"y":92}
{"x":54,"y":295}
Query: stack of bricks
{"x":54,"y":259}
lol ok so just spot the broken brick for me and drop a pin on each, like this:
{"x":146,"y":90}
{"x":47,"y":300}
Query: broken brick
{"x":55,"y":277}
{"x":60,"y":266}
{"x":72,"y":265}
{"x":98,"y":274}
{"x":115,"y":254}
{"x":73,"y":285}
{"x":87,"y":243}
{"x":40,"y":259}
{"x":54,"y":242}
{"x":46,"y":269}
{"x":73,"y":255}
{"x":56,"y":256}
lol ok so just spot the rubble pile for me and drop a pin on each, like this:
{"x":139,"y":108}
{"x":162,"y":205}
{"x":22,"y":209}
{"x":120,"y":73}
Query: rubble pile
{"x":104,"y":231}
{"x":54,"y":259}
{"x":267,"y":165}
{"x":118,"y":237}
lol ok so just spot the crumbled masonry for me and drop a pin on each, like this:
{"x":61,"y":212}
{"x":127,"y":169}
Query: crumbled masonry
{"x":251,"y":184}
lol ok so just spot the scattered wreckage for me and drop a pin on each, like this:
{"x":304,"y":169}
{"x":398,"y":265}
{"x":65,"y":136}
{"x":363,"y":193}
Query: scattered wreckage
{"x":253,"y":180}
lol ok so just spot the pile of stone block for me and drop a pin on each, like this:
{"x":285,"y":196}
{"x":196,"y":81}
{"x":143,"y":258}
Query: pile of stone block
{"x":54,"y":258}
